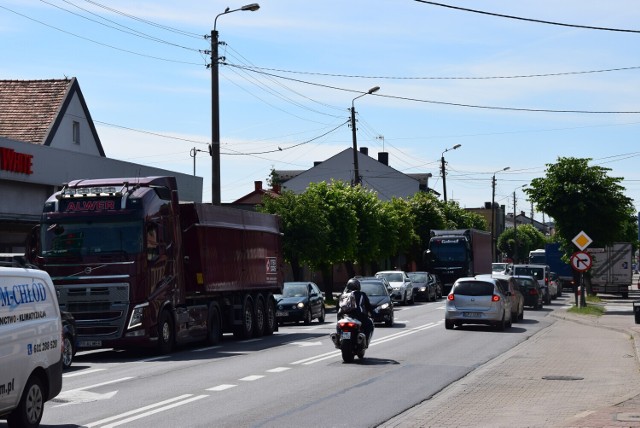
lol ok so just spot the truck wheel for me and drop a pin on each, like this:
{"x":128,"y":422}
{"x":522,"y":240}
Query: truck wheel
{"x":270,"y":324}
{"x":29,"y":411}
{"x":245,"y":329}
{"x":258,"y":330}
{"x":165,"y":333}
{"x":214,"y":330}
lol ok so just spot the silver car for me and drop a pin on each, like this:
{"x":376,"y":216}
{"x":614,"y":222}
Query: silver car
{"x":401,"y":285}
{"x":477,"y":300}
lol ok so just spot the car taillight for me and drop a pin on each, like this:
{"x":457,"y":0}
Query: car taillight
{"x":450,"y":297}
{"x":533,"y":291}
{"x":495,"y":298}
{"x":348,"y":325}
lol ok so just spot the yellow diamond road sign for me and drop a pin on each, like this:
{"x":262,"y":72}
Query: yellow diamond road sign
{"x":582,"y":241}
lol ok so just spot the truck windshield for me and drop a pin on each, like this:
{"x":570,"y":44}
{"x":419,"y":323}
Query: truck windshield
{"x":91,"y":238}
{"x":444,"y":251}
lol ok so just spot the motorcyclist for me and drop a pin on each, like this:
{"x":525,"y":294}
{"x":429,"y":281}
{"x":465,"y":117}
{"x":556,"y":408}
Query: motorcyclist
{"x":364,"y":308}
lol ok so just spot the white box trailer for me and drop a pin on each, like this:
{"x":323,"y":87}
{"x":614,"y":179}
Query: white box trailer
{"x":611,"y":271}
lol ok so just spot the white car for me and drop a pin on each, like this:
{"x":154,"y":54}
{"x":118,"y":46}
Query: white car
{"x":31,"y":345}
{"x":478,"y":300}
{"x":401,"y":285}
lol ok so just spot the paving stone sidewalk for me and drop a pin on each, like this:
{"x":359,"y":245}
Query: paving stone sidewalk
{"x":582,"y":371}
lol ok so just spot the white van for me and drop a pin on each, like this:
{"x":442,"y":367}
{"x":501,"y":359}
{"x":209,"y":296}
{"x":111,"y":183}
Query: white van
{"x":30,"y":345}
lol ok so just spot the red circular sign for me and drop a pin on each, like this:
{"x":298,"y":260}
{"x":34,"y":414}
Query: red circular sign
{"x":581,"y":261}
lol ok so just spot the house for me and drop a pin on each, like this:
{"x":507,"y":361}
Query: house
{"x":48,"y":138}
{"x":375,"y":175}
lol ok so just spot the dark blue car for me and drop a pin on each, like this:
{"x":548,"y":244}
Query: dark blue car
{"x":300,"y":301}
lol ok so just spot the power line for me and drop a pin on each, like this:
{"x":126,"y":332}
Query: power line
{"x":588,"y":27}
{"x":521,"y":76}
{"x":531,"y":110}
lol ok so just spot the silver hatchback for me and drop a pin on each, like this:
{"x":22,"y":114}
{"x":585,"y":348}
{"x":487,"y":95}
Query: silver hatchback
{"x":477,"y":300}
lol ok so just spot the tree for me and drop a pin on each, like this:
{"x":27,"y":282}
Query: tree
{"x":581,"y":197}
{"x":428,"y":215}
{"x":459,"y":218}
{"x":517,"y":243}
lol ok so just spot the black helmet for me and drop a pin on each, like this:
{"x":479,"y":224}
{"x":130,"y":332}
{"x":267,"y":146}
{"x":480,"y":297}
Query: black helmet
{"x":353,"y":285}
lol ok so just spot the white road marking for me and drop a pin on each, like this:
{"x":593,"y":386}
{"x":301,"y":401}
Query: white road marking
{"x":82,"y":372}
{"x":279,"y":369}
{"x":305,"y":344}
{"x":251,"y":378}
{"x":151,"y":412}
{"x":141,"y":409}
{"x":221,"y":387}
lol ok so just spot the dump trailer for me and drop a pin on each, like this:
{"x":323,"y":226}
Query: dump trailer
{"x":611,"y":270}
{"x":454,"y":254}
{"x":137,"y":268}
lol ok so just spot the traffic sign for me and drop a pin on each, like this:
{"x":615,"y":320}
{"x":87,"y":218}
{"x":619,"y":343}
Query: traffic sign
{"x":581,"y":261}
{"x":582,"y":240}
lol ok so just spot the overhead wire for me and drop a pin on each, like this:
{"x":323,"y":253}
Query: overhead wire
{"x":539,"y":21}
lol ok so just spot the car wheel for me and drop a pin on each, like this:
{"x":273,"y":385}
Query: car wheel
{"x":307,"y":317}
{"x":521,"y":316}
{"x":404,"y":298}
{"x":502,"y":324}
{"x":321,"y":317}
{"x":67,"y":355}
{"x":448,"y":324}
{"x":389,"y":322}
{"x":29,"y":411}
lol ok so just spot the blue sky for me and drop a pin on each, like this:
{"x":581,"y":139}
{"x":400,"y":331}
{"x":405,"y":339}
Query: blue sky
{"x":294,"y":67}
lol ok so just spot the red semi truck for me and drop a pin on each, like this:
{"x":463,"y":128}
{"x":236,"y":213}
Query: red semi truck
{"x":137,"y":268}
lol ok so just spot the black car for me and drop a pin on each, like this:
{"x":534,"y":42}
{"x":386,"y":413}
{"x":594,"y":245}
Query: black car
{"x":377,"y":289}
{"x":531,"y":291}
{"x":424,"y":286}
{"x":300,"y":301}
{"x":68,"y":338}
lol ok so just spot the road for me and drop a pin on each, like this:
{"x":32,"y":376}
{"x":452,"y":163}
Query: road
{"x":293,"y":378}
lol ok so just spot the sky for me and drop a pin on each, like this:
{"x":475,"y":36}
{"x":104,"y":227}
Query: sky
{"x":562,"y":80}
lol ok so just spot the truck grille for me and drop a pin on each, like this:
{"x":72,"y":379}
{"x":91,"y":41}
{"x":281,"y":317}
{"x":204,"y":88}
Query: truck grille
{"x":100,"y":310}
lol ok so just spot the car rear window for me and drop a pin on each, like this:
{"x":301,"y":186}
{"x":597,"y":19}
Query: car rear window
{"x":473,"y":288}
{"x":537,"y":273}
{"x":525,"y":282}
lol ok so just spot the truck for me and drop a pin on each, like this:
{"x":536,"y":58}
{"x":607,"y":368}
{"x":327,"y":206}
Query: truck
{"x":138,"y":268}
{"x":611,"y":269}
{"x":553,"y":258}
{"x":453,"y":254}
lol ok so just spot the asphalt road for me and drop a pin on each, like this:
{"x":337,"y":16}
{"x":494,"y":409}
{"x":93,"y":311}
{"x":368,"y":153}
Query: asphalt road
{"x":293,"y":378}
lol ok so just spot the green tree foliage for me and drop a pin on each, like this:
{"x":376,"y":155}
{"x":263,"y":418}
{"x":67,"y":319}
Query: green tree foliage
{"x":459,"y":218}
{"x":516,"y":243}
{"x":581,"y":197}
{"x":428,"y":215}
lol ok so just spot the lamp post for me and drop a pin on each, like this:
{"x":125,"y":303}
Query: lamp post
{"x":215,"y":106}
{"x":356,"y":172}
{"x":444,"y":173}
{"x":493,"y":213}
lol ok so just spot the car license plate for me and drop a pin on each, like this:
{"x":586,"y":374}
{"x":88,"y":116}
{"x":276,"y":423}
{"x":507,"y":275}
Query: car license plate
{"x":471,"y":314}
{"x":282,"y":314}
{"x":346,"y":335}
{"x":89,"y":344}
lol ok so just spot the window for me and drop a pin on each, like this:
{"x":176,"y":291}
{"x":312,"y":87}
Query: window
{"x":76,"y":132}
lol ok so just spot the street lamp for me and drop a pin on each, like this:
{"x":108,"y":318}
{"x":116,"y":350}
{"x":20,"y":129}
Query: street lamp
{"x":444,"y":174}
{"x":215,"y":106}
{"x":493,"y":213}
{"x":356,"y":172}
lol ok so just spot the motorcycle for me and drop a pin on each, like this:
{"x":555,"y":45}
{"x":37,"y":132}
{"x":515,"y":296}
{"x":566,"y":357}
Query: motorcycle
{"x":349,"y":338}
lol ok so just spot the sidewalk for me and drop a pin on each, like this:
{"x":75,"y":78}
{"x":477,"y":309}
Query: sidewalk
{"x":582,"y":371}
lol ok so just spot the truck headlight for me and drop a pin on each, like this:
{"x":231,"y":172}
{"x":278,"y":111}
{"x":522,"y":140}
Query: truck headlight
{"x":137,"y":316}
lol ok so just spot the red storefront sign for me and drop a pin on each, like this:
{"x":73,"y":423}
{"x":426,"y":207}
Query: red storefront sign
{"x":13,"y":161}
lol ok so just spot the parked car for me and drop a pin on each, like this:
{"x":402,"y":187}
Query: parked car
{"x":300,"y":301}
{"x":517,"y":298}
{"x":377,"y":289}
{"x":69,"y":340}
{"x":424,"y":286}
{"x":540,"y":273}
{"x":477,"y":300}
{"x":531,"y":290}
{"x":401,"y":284}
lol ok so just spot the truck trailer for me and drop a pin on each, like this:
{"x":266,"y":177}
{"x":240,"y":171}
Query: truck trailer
{"x":137,"y":268}
{"x":454,"y":254}
{"x":611,"y":270}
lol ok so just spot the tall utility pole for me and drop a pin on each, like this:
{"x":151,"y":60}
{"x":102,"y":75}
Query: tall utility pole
{"x":493,"y":213}
{"x":444,"y":172}
{"x":215,"y":105}
{"x":515,"y":231}
{"x":356,"y":171}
